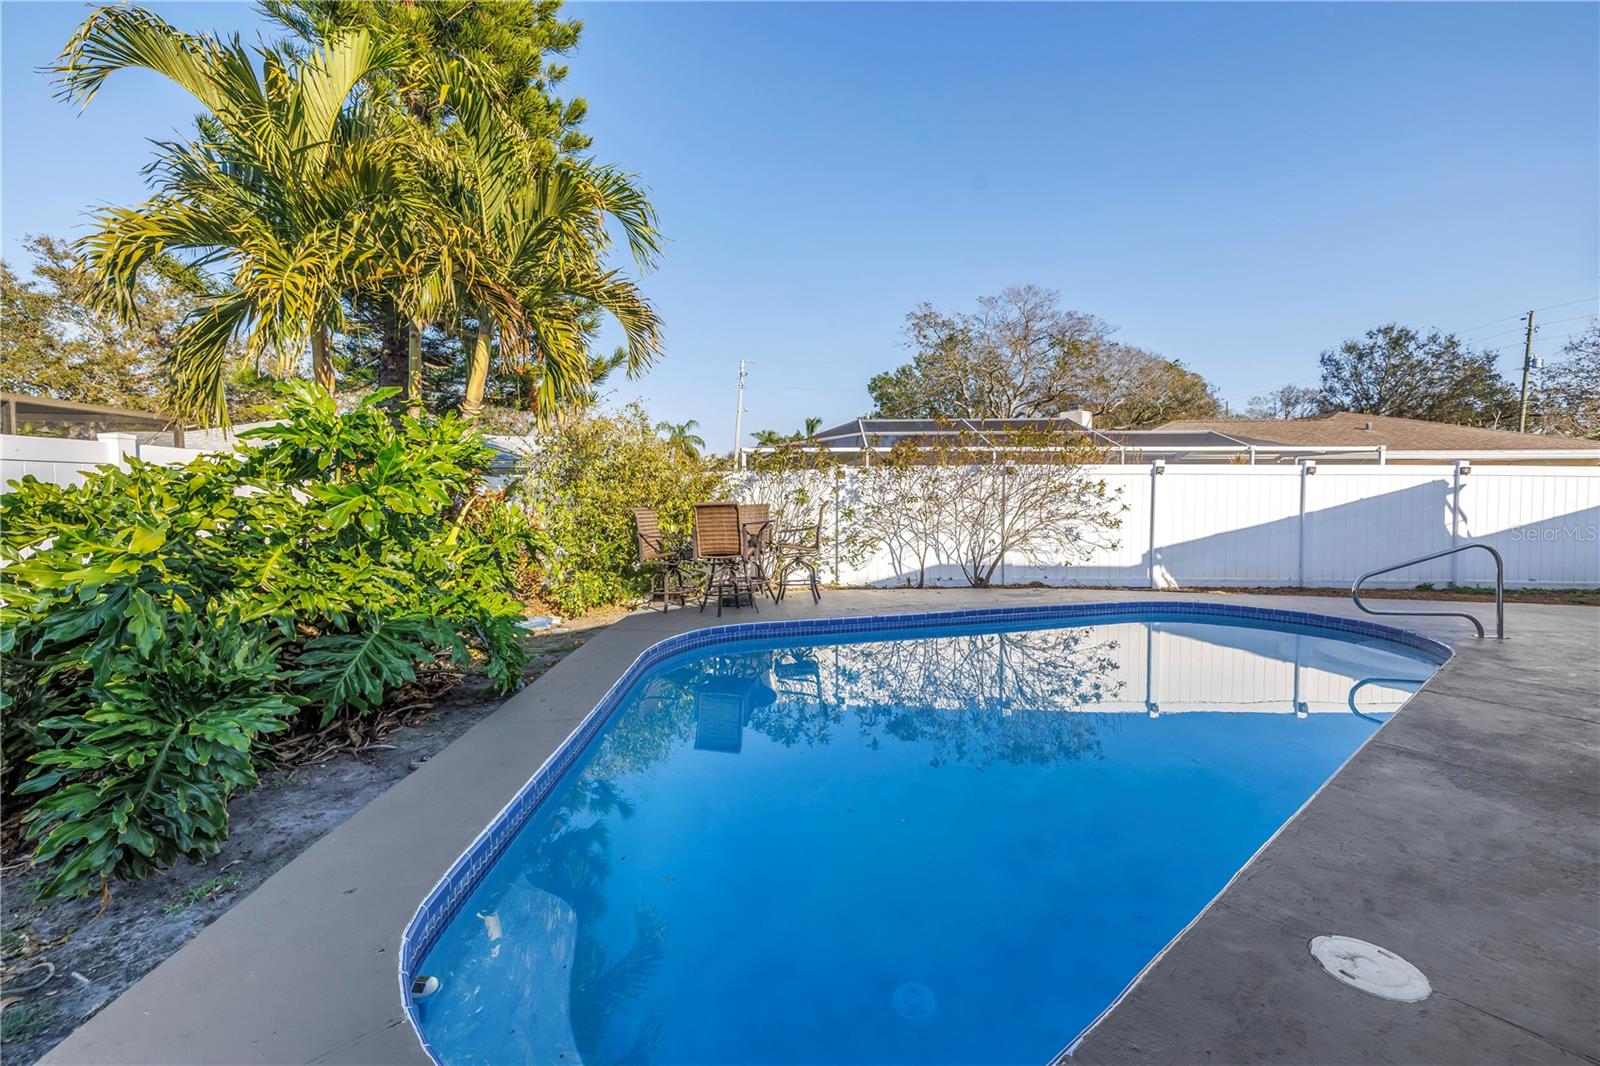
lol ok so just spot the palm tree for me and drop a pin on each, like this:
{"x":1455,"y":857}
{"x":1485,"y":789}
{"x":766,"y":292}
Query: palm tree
{"x":682,"y":438}
{"x":314,"y":197}
{"x":812,"y":425}
{"x":518,"y":230}
{"x":769,"y":438}
{"x":279,"y":192}
{"x":538,"y":228}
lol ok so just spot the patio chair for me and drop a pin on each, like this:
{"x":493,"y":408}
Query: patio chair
{"x":721,"y":546}
{"x":800,"y":548}
{"x":664,"y":564}
{"x":755,"y":519}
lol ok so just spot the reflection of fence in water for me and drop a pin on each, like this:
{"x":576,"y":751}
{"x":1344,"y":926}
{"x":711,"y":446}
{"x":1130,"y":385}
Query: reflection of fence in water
{"x":1125,"y":667}
{"x":1024,"y":695}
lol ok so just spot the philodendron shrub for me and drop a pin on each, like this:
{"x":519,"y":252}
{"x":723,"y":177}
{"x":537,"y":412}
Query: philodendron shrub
{"x":159,"y":622}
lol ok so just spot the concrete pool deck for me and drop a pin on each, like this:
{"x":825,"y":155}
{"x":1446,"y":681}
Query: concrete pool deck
{"x":1465,"y":837}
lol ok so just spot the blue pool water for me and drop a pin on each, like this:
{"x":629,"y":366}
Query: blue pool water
{"x":902,"y":848}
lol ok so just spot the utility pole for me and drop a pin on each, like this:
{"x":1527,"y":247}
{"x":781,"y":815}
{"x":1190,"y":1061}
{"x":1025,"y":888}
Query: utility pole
{"x":1527,"y":364}
{"x":738,"y":419}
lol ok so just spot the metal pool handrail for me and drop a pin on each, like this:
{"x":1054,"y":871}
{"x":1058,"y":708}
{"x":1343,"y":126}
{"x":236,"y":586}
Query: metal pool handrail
{"x":1499,"y":588}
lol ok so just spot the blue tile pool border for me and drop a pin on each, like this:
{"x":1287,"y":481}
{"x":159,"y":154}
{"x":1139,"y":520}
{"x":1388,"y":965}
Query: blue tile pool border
{"x":467,"y":872}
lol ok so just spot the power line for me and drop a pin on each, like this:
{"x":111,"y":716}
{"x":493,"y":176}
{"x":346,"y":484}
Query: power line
{"x":1486,"y":325}
{"x":1511,"y":349}
{"x":1518,"y":318}
{"x":1561,"y":336}
{"x":1492,"y":336}
{"x":1518,"y":330}
{"x":1570,"y":303}
{"x":1574,"y":318}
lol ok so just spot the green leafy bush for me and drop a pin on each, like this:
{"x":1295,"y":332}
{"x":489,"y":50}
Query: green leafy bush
{"x":305,"y":578}
{"x":582,"y":483}
{"x":142,"y":776}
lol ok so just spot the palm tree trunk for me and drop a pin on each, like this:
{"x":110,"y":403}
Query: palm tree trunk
{"x":392,"y":328}
{"x":414,"y":370}
{"x":477,"y":369}
{"x":322,"y":359}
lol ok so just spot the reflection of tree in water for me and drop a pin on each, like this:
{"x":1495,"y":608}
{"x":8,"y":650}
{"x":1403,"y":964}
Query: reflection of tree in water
{"x":573,"y":863}
{"x":643,"y":735}
{"x":975,"y":698}
{"x":982,"y":698}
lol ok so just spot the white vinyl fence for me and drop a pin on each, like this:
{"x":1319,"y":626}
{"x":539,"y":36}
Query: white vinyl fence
{"x":1312,"y":525}
{"x":1317,"y":525}
{"x":61,"y":461}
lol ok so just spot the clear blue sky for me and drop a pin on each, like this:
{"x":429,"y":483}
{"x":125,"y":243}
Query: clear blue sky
{"x":1237,"y":186}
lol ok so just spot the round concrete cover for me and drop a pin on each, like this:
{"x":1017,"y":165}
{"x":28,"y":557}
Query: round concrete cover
{"x":1372,"y":969}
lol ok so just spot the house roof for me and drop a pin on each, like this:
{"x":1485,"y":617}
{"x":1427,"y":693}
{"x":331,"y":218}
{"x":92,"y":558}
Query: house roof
{"x":925,"y":432}
{"x":1354,"y":430}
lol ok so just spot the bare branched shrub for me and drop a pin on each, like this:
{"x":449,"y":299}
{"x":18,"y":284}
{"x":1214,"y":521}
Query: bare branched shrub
{"x":967,"y":500}
{"x":797,"y":483}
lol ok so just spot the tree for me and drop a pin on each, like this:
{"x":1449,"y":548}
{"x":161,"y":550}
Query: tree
{"x":57,"y":341}
{"x":1023,"y":355}
{"x":507,"y":43}
{"x":682,"y":438}
{"x":1290,"y":401}
{"x":1567,"y":400}
{"x":503,"y":45}
{"x":1394,"y":370}
{"x":400,"y":173}
{"x":277,"y":193}
{"x":541,"y":231}
{"x":771,"y":438}
{"x":54,"y":342}
{"x":1129,"y":388}
{"x":507,"y":216}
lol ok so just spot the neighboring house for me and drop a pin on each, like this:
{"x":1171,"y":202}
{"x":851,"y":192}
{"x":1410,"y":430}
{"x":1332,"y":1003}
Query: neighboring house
{"x":859,"y":440}
{"x":1346,"y":436}
{"x":41,"y":416}
{"x":1335,"y":438}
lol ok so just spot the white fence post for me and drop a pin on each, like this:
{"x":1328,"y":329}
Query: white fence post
{"x":1461,"y":467}
{"x":119,"y":446}
{"x":1307,"y":468}
{"x":1157,"y":468}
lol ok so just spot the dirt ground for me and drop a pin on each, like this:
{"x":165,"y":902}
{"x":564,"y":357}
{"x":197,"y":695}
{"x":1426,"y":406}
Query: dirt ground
{"x":65,"y":959}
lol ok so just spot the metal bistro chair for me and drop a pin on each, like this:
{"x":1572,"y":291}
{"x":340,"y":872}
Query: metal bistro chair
{"x":800,"y":548}
{"x":666,"y":566}
{"x":755,"y":519}
{"x":722,"y":547}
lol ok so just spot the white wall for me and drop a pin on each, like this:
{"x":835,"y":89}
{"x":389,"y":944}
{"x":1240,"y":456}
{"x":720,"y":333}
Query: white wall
{"x":1276,"y":525}
{"x":61,"y":461}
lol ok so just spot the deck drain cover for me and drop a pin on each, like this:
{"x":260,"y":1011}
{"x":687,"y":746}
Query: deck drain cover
{"x":913,"y":1002}
{"x":1374,"y":970}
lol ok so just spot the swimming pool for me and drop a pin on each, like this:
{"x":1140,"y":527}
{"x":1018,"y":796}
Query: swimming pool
{"x":935,"y":838}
